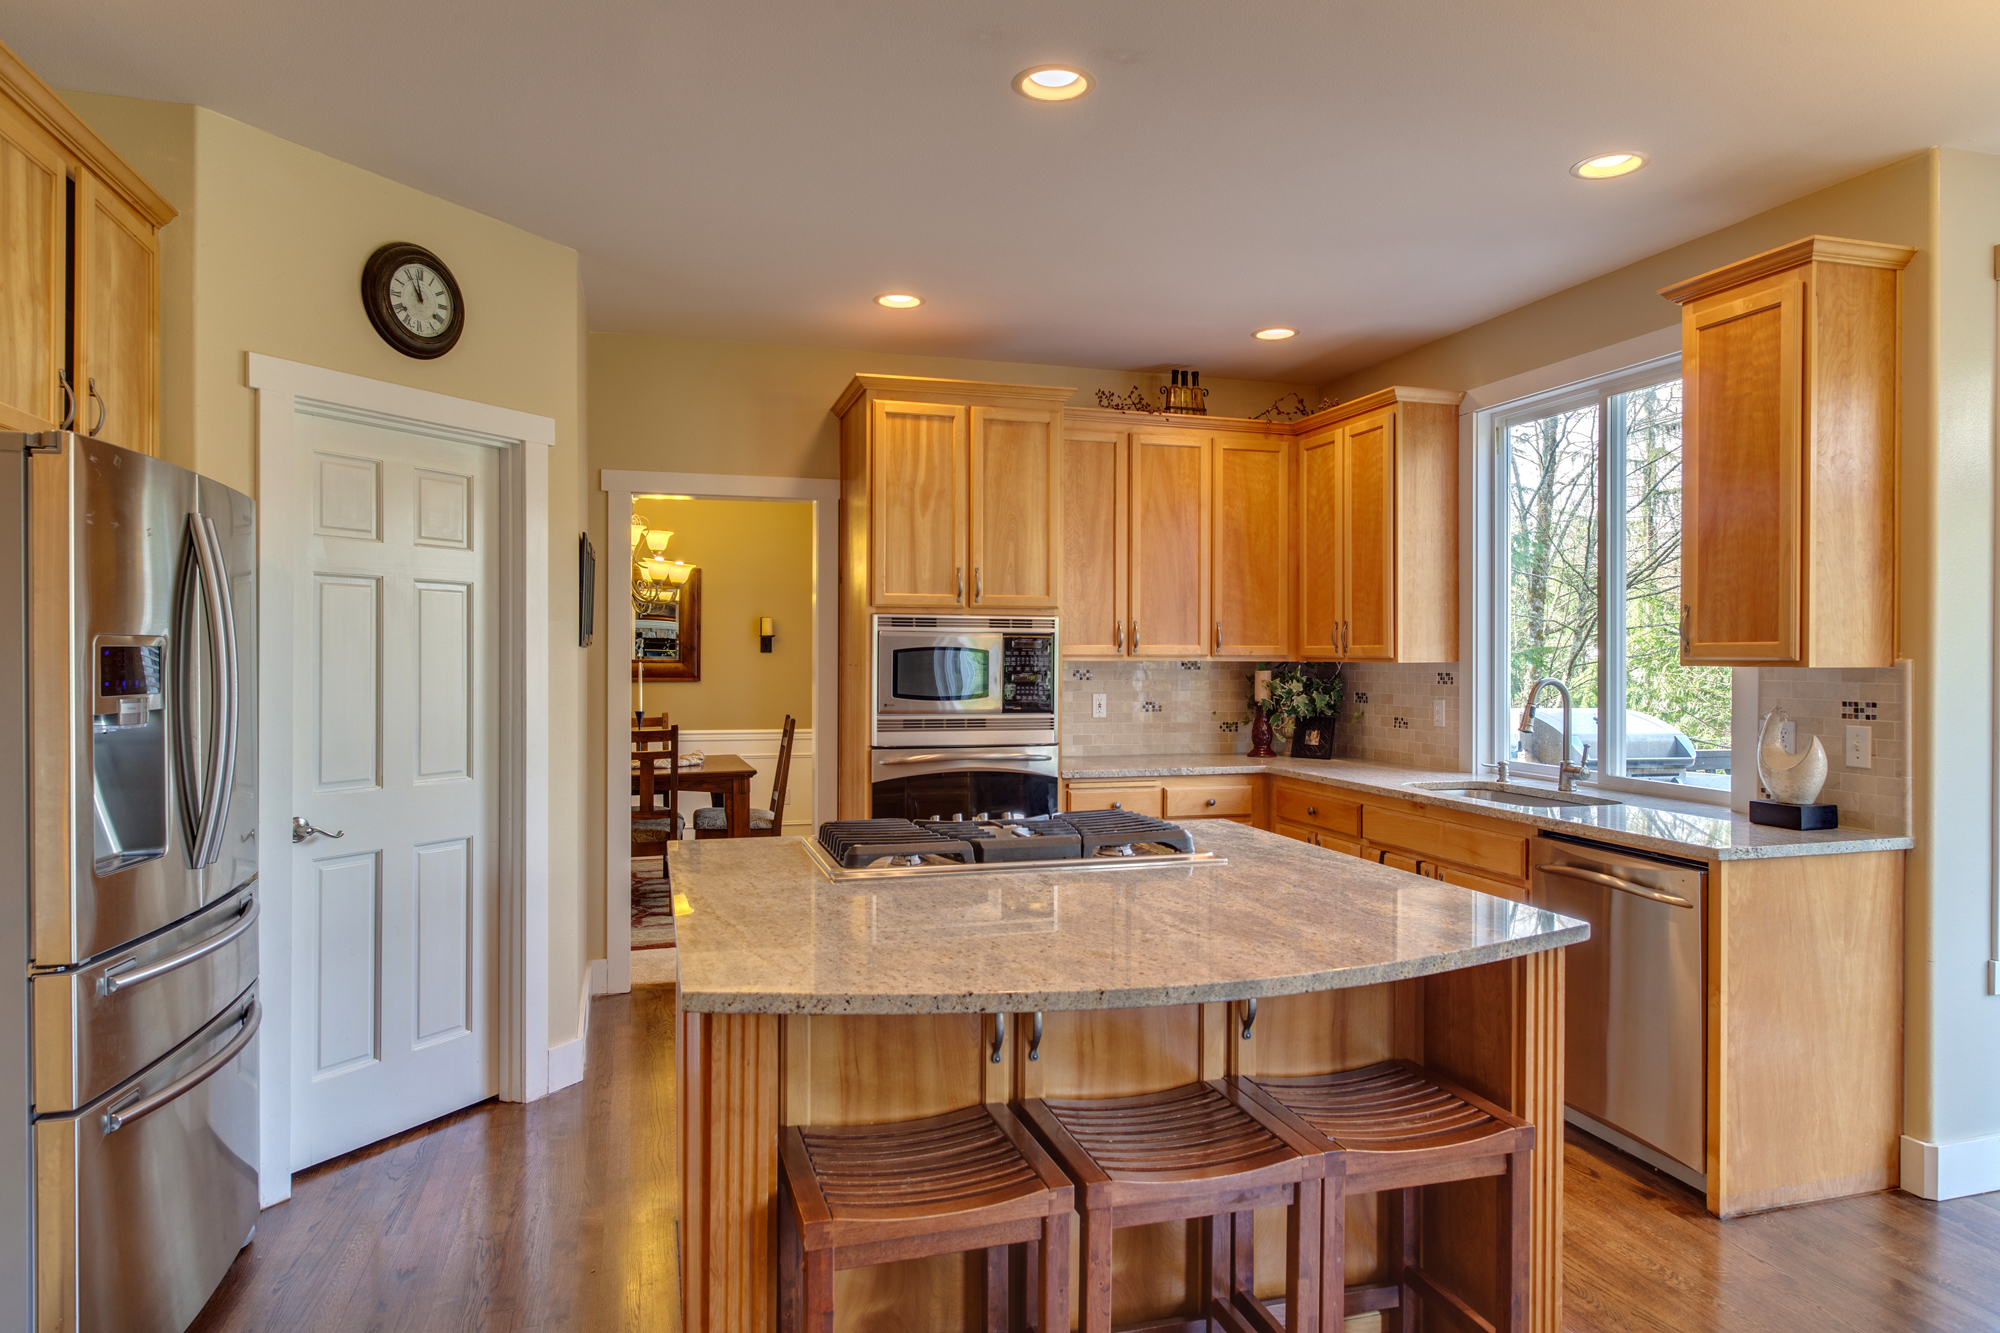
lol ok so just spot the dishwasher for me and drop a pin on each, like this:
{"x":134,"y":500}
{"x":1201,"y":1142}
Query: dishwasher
{"x":1634,"y":1010}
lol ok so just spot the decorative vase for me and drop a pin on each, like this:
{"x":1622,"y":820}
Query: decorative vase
{"x":1312,"y":738}
{"x":1794,"y":779}
{"x":1260,"y":736}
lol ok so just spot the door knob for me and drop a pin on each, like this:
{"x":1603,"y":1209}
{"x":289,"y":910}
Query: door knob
{"x":302,"y":829}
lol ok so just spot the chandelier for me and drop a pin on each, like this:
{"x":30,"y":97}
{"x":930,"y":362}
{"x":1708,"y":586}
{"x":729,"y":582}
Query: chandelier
{"x":656,"y":581}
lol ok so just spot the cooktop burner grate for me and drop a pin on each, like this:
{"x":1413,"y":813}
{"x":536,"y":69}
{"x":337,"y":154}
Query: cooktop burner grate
{"x":1106,"y":832}
{"x":1009,"y":840}
{"x":856,"y":843}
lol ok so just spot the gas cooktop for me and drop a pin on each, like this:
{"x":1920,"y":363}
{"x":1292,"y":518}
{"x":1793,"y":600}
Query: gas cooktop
{"x":1079,"y":840}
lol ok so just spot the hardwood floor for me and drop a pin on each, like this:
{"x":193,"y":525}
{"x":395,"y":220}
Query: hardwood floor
{"x":561,"y":1215}
{"x":555,"y":1215}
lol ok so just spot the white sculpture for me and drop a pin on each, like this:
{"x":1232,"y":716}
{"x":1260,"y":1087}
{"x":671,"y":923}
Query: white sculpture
{"x":1794,"y":779}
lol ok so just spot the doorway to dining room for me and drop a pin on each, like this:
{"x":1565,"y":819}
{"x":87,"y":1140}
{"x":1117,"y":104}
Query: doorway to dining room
{"x":722,"y":631}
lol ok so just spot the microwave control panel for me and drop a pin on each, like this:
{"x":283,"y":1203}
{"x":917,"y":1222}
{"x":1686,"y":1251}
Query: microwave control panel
{"x":1028,"y":664}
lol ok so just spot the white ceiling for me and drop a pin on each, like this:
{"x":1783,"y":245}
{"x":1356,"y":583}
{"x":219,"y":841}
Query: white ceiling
{"x":1375,"y":174}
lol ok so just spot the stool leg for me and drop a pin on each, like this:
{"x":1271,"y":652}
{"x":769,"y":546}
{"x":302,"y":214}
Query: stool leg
{"x":1052,"y":1300}
{"x":996,"y":1289}
{"x":1403,"y":1224}
{"x":1515,"y":1207}
{"x":1243,"y":1246}
{"x":1302,"y":1243}
{"x":1333,"y":1248}
{"x":1096,"y":1272}
{"x":1217,"y":1259}
{"x":819,"y":1291}
{"x":791,"y":1261}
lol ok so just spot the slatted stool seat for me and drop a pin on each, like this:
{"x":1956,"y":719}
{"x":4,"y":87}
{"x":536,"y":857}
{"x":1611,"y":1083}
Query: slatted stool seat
{"x":872,"y":1194}
{"x":1393,"y":1127}
{"x":1201,"y":1151}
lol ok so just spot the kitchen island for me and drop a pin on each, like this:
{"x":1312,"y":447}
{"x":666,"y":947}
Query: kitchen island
{"x":807,"y":1001}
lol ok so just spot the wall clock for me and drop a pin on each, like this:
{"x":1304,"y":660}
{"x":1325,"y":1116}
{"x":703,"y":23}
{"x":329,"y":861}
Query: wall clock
{"x":412,"y":300}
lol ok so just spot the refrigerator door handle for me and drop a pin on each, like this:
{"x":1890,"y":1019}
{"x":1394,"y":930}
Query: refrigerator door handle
{"x":223,"y":685}
{"x":252,"y":1018}
{"x":113,"y":982}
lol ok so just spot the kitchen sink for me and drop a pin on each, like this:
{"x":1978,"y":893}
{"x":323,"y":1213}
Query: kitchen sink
{"x":1507,"y":793}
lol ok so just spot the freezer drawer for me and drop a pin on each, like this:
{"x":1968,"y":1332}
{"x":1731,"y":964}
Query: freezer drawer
{"x":95,"y":1025}
{"x":143,"y":1198}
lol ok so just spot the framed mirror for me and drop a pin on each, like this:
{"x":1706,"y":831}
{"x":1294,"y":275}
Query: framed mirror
{"x":666,"y":637}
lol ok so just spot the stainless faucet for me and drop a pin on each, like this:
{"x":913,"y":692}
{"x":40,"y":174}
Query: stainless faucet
{"x":1566,"y":772}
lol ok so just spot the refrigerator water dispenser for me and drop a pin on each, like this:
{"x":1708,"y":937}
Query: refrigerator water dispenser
{"x":128,"y":754}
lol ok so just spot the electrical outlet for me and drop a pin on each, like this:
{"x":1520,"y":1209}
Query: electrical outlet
{"x":1787,"y":738}
{"x":1097,"y":705}
{"x":1860,"y":747}
{"x":1437,"y":714}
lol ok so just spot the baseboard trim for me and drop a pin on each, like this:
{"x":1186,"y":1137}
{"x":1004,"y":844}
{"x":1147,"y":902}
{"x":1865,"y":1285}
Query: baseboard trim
{"x":1951,"y":1170}
{"x":600,"y":976}
{"x":566,"y":1059}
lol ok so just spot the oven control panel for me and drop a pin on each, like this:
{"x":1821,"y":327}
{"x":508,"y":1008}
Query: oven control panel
{"x":1028,"y":666}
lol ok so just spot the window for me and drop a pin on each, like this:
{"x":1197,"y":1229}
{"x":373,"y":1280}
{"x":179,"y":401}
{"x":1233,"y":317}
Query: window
{"x":1588,"y":484}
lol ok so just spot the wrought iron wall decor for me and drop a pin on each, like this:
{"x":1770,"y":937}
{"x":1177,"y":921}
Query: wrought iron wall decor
{"x":1293,"y":411}
{"x":1134,"y":401}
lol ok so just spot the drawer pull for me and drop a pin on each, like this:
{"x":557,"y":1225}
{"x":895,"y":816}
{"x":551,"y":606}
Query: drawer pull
{"x":1312,"y":810}
{"x":1117,"y":805}
{"x":117,"y":980}
{"x":1211,"y":800}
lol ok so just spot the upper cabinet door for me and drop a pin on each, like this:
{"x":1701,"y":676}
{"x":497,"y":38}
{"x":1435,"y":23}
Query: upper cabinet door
{"x":1320,"y":528}
{"x":1251,"y":609}
{"x":32,"y":179}
{"x":1169,"y":545}
{"x":118,"y":321}
{"x":1368,"y":555}
{"x":1742,"y":356}
{"x":917,"y":497}
{"x":1016,"y":509}
{"x":1093,"y":545}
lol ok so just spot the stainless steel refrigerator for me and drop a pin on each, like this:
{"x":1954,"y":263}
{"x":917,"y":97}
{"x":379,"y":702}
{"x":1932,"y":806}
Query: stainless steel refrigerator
{"x":128,"y":820}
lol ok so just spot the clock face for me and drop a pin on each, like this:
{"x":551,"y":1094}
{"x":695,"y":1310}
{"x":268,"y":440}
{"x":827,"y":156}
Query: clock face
{"x":421,"y":301}
{"x":412,"y":300}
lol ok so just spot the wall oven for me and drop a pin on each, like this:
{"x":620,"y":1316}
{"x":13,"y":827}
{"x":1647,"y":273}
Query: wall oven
{"x":962,"y":782}
{"x":955,"y":681}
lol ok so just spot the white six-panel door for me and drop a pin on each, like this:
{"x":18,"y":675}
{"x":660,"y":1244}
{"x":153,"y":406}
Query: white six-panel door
{"x":395,"y":609}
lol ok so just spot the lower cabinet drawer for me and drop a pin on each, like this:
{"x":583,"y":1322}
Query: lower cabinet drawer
{"x":1140,"y":800}
{"x":1209,"y":800}
{"x":1465,"y":879}
{"x":1317,"y":806}
{"x":1402,"y":861}
{"x":1502,"y":853}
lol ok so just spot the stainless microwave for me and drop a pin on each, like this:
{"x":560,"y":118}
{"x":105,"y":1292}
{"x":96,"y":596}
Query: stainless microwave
{"x":965,"y":680}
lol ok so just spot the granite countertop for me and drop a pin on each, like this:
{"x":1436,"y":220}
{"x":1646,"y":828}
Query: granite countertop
{"x":1678,"y":828}
{"x":761,"y":930}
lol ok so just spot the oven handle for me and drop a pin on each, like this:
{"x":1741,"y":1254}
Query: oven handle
{"x":967,"y":754}
{"x":1562,"y":871}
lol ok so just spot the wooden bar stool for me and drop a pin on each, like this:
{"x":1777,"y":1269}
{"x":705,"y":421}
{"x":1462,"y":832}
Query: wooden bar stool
{"x":1394,"y":1127}
{"x":872,"y":1194}
{"x":1205,"y":1151}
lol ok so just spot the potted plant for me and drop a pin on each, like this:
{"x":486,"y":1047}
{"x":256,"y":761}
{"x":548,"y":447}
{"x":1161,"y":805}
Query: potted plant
{"x":1304,"y":705}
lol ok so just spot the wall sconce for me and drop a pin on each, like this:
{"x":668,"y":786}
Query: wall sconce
{"x":765,"y":633}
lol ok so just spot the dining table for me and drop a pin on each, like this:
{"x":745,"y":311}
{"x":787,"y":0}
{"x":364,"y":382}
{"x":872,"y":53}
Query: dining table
{"x":724,"y":775}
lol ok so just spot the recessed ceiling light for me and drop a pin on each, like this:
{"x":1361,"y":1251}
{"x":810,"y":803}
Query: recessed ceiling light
{"x":1609,"y":165}
{"x":1052,"y":83}
{"x":899,"y":300}
{"x":1274,"y":335}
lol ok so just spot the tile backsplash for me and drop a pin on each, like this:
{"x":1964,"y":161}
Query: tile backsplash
{"x":1156,"y":707}
{"x":1390,"y":715}
{"x":1824,"y":703}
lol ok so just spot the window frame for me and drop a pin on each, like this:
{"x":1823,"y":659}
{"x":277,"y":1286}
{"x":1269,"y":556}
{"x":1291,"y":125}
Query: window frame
{"x":1500,"y":712}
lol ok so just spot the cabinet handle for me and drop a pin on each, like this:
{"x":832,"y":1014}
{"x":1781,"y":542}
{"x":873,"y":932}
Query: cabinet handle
{"x":102,"y":407}
{"x":1135,"y":636}
{"x":1218,"y":636}
{"x":1211,"y":800}
{"x":959,"y":574}
{"x":978,"y":584}
{"x":69,"y":400}
{"x":1118,"y":635}
{"x":1686,"y":611}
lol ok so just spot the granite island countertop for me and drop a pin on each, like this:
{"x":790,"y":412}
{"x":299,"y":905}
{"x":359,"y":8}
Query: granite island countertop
{"x":1651,"y":823}
{"x":761,"y":930}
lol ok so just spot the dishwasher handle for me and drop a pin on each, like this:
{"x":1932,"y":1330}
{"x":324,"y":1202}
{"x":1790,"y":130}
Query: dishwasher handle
{"x":1562,"y":871}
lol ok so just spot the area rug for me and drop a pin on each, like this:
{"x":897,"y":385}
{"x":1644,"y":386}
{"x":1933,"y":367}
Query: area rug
{"x":652,"y":905}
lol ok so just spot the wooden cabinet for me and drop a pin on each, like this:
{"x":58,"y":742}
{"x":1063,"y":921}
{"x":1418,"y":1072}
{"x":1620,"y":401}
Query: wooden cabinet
{"x":1789,"y":542}
{"x":917,"y":504}
{"x":1169,"y":526}
{"x":1177,"y":539}
{"x":79,"y":274}
{"x":1179,"y":799}
{"x":1378,"y":529}
{"x":1015,"y":503}
{"x":1250,"y":562}
{"x":1140,"y":798}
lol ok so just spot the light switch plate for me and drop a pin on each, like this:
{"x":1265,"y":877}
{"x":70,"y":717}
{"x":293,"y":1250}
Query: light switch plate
{"x":1097,"y":705}
{"x":1860,"y":747}
{"x":1437,"y":713}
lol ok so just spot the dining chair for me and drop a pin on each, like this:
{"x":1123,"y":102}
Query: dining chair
{"x":656,"y":819}
{"x":713,"y":821}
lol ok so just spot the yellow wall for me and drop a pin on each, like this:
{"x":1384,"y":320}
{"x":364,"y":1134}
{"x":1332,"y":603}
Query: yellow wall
{"x":266,"y":257}
{"x":756,"y":560}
